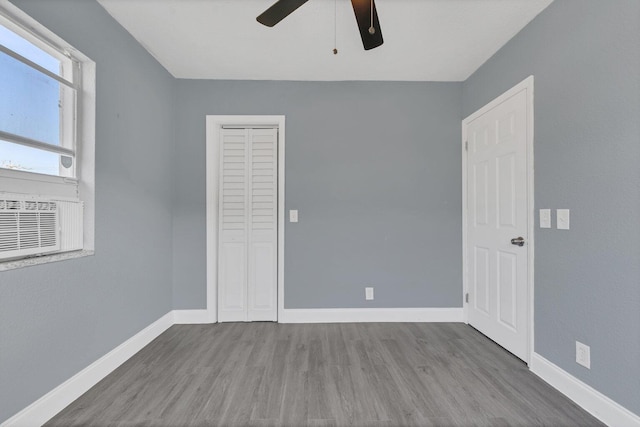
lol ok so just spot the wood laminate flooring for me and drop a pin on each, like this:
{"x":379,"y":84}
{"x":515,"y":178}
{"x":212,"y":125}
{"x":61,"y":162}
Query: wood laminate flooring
{"x":360,"y":374}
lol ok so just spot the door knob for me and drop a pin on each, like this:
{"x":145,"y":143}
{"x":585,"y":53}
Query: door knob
{"x":518,"y":241}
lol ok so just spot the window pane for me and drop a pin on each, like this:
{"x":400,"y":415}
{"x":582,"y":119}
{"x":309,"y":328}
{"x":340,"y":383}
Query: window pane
{"x":30,"y":102}
{"x":20,"y":157}
{"x":22,"y":47}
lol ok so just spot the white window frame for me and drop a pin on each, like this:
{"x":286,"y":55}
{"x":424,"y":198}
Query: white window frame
{"x":80,"y":187}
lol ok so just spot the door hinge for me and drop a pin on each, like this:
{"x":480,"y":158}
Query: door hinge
{"x":466,"y":297}
{"x":466,"y":146}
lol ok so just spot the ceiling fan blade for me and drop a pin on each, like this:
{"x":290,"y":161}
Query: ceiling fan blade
{"x":278,"y":11}
{"x":362,"y":9}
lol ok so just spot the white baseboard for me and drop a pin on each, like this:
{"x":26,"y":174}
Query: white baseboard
{"x":591,"y":400}
{"x":349,"y":315}
{"x":43,"y":409}
{"x":191,"y":317}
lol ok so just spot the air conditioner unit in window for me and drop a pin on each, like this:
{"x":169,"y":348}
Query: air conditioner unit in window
{"x":30,"y":227}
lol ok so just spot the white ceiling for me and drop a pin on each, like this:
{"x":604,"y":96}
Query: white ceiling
{"x":424,"y":40}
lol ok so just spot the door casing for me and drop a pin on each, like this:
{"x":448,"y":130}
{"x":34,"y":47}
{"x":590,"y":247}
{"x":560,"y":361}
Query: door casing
{"x":526,"y":85}
{"x":213,"y":125}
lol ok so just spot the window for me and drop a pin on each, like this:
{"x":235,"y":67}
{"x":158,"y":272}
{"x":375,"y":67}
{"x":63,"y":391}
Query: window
{"x":37,"y":107}
{"x":47,"y":138}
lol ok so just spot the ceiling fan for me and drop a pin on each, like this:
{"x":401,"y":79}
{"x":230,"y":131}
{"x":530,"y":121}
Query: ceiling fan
{"x":365,"y":11}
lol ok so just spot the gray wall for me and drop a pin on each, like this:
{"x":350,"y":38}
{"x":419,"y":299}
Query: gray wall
{"x":372,"y":167}
{"x":586,"y":62}
{"x":58,"y":318}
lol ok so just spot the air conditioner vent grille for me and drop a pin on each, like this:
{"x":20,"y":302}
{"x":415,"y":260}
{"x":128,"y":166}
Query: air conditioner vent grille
{"x":10,"y":204}
{"x":28,"y":227}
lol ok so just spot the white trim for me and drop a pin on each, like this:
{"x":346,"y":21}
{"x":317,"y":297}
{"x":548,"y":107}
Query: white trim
{"x":43,"y":409}
{"x":526,"y":84}
{"x":465,"y":279}
{"x":281,"y":215}
{"x":353,"y":315}
{"x":213,"y":125}
{"x":591,"y":400}
{"x":191,"y":317}
{"x":86,"y":151}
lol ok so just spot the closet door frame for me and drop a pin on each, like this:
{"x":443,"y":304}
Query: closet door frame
{"x":214,"y":123}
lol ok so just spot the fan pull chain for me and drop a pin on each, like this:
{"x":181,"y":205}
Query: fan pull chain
{"x":335,"y":27}
{"x":372,"y":29}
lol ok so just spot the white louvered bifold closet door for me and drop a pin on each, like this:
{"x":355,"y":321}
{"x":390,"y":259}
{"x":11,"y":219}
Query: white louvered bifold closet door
{"x":247,"y":265}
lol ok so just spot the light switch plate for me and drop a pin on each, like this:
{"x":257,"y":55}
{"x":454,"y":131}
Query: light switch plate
{"x":293,"y":215}
{"x":563,"y":219}
{"x":545,"y":218}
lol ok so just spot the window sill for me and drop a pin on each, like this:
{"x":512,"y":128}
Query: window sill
{"x":45,"y":259}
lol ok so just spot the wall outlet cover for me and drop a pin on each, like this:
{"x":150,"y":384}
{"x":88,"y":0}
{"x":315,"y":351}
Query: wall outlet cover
{"x":583,"y":355}
{"x":293,"y":215}
{"x":368,"y":294}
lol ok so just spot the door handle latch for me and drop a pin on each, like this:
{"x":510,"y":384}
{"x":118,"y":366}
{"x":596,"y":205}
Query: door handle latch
{"x":518,"y":241}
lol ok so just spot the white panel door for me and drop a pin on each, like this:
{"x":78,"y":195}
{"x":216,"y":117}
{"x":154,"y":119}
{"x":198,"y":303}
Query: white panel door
{"x":247,"y":273}
{"x":497,"y":212}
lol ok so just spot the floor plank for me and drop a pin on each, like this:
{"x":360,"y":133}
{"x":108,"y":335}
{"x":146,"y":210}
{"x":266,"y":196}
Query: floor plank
{"x":365,"y":374}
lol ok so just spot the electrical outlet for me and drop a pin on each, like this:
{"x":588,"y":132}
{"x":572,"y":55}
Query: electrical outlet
{"x":293,"y":215}
{"x":368,"y":293}
{"x":583,"y":355}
